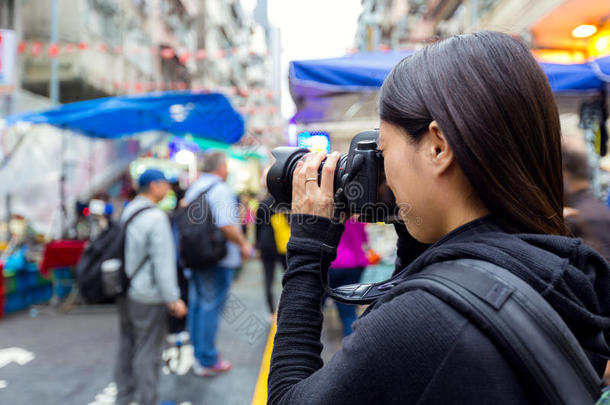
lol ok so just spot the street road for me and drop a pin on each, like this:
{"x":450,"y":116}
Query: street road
{"x":67,"y":359}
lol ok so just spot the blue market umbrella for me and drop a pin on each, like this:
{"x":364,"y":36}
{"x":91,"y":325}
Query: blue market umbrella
{"x":208,"y":116}
{"x":314,"y":82}
{"x":367,"y":71}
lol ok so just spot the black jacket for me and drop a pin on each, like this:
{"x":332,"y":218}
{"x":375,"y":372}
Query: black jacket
{"x":413,"y":348}
{"x":265,"y":237}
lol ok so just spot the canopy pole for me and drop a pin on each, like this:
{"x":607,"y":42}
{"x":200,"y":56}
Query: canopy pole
{"x":63,"y":212}
{"x":54,"y":82}
{"x":8,"y":207}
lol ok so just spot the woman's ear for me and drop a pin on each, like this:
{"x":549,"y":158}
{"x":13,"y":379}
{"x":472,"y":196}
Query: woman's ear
{"x":440,"y":153}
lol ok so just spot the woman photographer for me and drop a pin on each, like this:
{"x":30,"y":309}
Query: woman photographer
{"x":470,"y":137}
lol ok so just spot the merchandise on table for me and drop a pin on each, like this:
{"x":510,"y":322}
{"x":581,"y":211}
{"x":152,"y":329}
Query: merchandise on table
{"x":22,"y":285}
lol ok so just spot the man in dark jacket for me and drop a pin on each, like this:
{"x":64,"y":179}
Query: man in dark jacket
{"x":265,"y":242}
{"x":587,"y":217}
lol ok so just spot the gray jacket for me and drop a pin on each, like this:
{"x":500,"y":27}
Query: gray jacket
{"x":150,"y":233}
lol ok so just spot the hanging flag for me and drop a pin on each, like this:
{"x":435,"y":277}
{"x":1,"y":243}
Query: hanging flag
{"x":201,"y":54}
{"x":184,"y":57}
{"x":53,"y":50}
{"x":22,"y":46}
{"x":167,"y":53}
{"x":36,"y":49}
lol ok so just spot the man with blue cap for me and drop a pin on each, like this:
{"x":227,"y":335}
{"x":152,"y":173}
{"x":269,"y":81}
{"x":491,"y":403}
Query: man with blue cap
{"x":150,"y":262}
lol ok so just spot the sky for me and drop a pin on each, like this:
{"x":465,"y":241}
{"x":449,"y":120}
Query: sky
{"x":312,"y":29}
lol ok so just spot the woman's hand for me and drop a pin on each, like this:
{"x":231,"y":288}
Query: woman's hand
{"x":307,"y":196}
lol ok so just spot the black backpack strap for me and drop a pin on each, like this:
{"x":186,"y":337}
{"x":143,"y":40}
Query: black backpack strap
{"x":124,"y":230}
{"x":132,"y":217}
{"x":204,"y":192}
{"x":520,"y":322}
{"x":135,"y":273}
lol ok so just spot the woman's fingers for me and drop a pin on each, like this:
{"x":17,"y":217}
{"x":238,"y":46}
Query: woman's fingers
{"x":328,"y":174}
{"x":307,"y":196}
{"x":312,"y":164}
{"x":298,"y":181}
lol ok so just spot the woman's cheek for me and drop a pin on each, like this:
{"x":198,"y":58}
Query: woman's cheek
{"x":392,"y":176}
{"x":397,"y":177}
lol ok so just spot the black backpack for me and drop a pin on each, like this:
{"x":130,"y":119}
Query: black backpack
{"x":514,"y":316}
{"x":521,"y":323}
{"x":201,"y":242}
{"x":106,"y":251}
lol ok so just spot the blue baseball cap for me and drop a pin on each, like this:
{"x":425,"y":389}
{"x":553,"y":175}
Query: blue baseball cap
{"x":151,"y":175}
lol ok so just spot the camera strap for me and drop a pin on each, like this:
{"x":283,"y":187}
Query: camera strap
{"x":357,"y":294}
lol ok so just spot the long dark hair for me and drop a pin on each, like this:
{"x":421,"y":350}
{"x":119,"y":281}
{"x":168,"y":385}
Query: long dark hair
{"x":495,"y":106}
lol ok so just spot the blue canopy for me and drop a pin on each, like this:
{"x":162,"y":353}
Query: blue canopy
{"x":574,"y":78}
{"x":366,"y":72}
{"x":601,"y":67}
{"x":351,"y":73}
{"x":209,"y":116}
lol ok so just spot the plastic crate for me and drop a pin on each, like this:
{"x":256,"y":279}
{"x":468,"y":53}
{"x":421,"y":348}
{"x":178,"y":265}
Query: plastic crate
{"x":38,"y":295}
{"x":15,"y":301}
{"x":9,"y":283}
{"x":44,"y":293}
{"x":63,"y":281}
{"x":63,"y":290}
{"x":31,"y":267}
{"x":32,"y":279}
{"x":42,"y":280}
{"x":10,"y":271}
{"x":63,"y":273}
{"x":26,"y":280}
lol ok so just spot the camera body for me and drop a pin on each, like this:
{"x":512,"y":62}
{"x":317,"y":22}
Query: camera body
{"x":359,"y":182}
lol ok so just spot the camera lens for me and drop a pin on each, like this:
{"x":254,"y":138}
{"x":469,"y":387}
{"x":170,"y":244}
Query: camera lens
{"x":279,"y":178}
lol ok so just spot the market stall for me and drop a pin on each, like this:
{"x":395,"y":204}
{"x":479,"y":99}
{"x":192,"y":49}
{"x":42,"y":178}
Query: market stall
{"x":52,"y":184}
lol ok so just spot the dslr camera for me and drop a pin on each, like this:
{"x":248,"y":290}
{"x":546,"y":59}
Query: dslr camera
{"x":359,"y":184}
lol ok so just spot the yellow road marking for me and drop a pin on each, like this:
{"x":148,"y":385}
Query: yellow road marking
{"x":260,"y":391}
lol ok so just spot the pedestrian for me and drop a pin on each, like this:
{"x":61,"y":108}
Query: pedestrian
{"x":149,"y":249}
{"x":347,"y":268}
{"x":471,"y":145}
{"x":586,"y":216}
{"x":177,"y":326}
{"x":270,"y":253}
{"x":246,"y":212}
{"x":209,"y":285}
